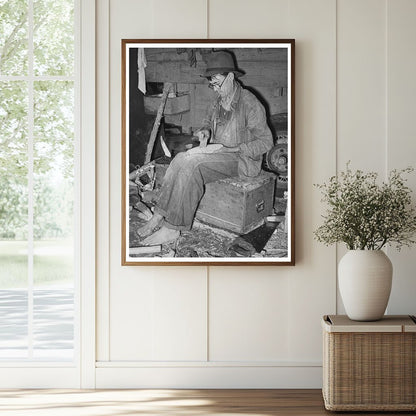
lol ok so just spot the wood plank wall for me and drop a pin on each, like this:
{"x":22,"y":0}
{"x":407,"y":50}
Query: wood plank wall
{"x":264,"y":70}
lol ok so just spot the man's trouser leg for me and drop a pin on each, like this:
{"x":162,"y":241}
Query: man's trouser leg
{"x":184,"y":183}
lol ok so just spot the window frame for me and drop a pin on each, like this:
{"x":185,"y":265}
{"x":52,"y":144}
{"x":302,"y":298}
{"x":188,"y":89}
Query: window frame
{"x":81,"y":371}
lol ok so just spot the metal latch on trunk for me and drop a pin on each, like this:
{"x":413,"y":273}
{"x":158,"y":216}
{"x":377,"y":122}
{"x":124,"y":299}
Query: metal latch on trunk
{"x":260,"y":206}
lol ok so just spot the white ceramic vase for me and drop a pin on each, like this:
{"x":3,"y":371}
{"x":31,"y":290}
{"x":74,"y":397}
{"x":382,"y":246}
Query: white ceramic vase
{"x":364,"y":278}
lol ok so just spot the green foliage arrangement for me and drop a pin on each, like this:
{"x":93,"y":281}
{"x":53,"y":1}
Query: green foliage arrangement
{"x":366,"y":215}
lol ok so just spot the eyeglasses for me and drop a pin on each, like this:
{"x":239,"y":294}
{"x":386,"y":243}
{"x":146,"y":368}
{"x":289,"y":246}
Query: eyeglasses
{"x":215,"y":82}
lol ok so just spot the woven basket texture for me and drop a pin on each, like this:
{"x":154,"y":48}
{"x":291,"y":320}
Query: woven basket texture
{"x":369,"y":371}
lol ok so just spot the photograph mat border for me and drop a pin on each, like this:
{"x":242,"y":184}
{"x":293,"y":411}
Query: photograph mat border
{"x":141,"y":261}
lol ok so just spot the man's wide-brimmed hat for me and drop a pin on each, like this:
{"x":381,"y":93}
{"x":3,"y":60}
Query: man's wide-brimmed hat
{"x":219,"y":62}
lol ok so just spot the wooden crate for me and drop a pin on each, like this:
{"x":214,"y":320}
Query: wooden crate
{"x":237,"y":204}
{"x":369,"y":366}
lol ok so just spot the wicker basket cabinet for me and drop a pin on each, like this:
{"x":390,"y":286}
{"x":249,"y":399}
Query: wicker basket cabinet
{"x":369,"y":366}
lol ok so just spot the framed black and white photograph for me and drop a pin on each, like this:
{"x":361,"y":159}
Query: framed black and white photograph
{"x":208,"y":152}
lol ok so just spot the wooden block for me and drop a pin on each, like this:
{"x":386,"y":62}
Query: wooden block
{"x":236,"y":204}
{"x":144,"y":250}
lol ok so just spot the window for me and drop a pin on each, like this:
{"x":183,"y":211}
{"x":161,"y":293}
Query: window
{"x":38,"y":186}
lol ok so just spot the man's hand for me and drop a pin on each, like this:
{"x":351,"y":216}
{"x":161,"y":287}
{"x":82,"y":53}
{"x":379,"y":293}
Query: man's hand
{"x":203,"y":136}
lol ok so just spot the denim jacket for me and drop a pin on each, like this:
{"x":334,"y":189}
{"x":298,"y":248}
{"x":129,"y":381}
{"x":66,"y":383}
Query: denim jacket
{"x":245,"y":126}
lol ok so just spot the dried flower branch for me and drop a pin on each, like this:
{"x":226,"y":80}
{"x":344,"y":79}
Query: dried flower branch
{"x":365,"y":215}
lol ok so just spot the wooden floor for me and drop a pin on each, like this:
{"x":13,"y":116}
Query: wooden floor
{"x":165,"y":402}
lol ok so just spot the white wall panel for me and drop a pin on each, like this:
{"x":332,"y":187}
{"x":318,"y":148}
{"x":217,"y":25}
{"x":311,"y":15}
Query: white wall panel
{"x":180,"y":308}
{"x":312,"y":283}
{"x":248,"y":314}
{"x":238,"y":19}
{"x":401,"y":140}
{"x":361,"y":84}
{"x":131,"y":316}
{"x":163,"y":19}
{"x":355,"y":89}
{"x":315,"y":137}
{"x":179,"y":19}
{"x":271,"y":326}
{"x":145,"y":322}
{"x":159,"y":316}
{"x":361,"y":89}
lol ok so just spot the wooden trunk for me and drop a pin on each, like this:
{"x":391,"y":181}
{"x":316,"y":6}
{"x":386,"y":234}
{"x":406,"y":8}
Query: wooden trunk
{"x":236,"y":204}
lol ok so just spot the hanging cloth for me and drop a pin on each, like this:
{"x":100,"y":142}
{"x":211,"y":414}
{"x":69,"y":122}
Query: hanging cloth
{"x":141,"y":65}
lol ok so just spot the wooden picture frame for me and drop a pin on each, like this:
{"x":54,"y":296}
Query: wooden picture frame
{"x":246,"y":214}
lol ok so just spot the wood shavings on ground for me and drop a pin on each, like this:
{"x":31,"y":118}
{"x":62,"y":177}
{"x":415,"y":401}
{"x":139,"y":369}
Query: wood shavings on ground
{"x":205,"y":241}
{"x":277,"y":245}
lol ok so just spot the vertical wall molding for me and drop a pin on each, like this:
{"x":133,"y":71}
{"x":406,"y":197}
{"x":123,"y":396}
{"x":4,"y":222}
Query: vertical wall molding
{"x":387,"y":48}
{"x":207,"y":312}
{"x":208,"y":21}
{"x":401,"y":133}
{"x":103,"y":179}
{"x":88,"y":204}
{"x":336,"y":147}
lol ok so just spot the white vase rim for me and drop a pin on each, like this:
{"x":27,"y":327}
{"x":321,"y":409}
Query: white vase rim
{"x":365,"y":251}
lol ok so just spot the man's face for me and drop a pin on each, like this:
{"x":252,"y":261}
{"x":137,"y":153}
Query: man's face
{"x":216,"y":81}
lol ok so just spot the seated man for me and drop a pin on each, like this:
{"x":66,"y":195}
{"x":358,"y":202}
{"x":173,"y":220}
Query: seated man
{"x":238,"y":134}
